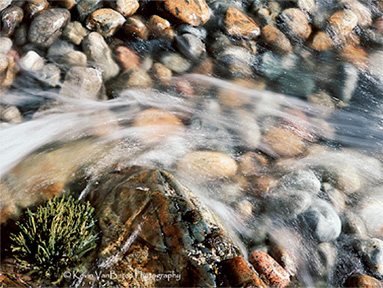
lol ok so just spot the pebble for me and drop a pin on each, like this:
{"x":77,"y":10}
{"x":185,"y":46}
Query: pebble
{"x":75,"y":32}
{"x":371,"y":212}
{"x":270,"y":65}
{"x":341,"y":24}
{"x":207,"y":165}
{"x":284,"y":258}
{"x":36,"y":7}
{"x":175,"y":62}
{"x":58,"y":49}
{"x":156,"y":124}
{"x":68,"y":4}
{"x":362,"y":281}
{"x":283,"y":142}
{"x":238,"y":24}
{"x":10,"y":114}
{"x":135,"y":27}
{"x":5,"y":45}
{"x":322,"y":221}
{"x":50,"y":74}
{"x":374,"y":64}
{"x":195,"y":13}
{"x":98,"y":51}
{"x":137,"y":78}
{"x":8,"y":70}
{"x":190,"y":46}
{"x":302,"y":180}
{"x":236,"y":272}
{"x":353,"y":224}
{"x":161,"y":28}
{"x":372,"y":253}
{"x":268,"y":268}
{"x":127,"y":7}
{"x":74,"y":58}
{"x":334,"y":197}
{"x":162,"y":73}
{"x":199,"y":32}
{"x":361,"y":11}
{"x":105,"y":21}
{"x":11,"y":17}
{"x":127,"y":57}
{"x":276,"y":39}
{"x":32,"y":62}
{"x":236,"y":62}
{"x":378,"y":24}
{"x":308,"y":6}
{"x":249,"y":131}
{"x":327,"y":258}
{"x":294,"y":23}
{"x":321,"y":41}
{"x":252,"y":163}
{"x":82,"y":83}
{"x":85,"y":7}
{"x":355,"y":55}
{"x":46,"y":28}
{"x":4,"y":4}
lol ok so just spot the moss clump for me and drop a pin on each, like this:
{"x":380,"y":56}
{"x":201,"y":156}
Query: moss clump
{"x":55,"y":237}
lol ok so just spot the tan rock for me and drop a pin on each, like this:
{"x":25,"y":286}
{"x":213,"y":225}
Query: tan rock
{"x":321,"y":41}
{"x":105,"y":21}
{"x":135,"y":27}
{"x":238,"y":24}
{"x":295,"y":23}
{"x":252,"y":163}
{"x":127,"y":58}
{"x":355,"y":55}
{"x":161,"y":28}
{"x":276,"y":39}
{"x":283,"y":142}
{"x":162,"y":73}
{"x":127,"y":7}
{"x":341,"y":23}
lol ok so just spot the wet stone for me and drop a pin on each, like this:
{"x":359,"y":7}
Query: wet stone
{"x":353,"y":224}
{"x":362,"y":281}
{"x":235,"y":61}
{"x":85,"y":7}
{"x":161,"y":73}
{"x":175,"y":62}
{"x":270,"y":65}
{"x":4,"y":4}
{"x":194,"y":12}
{"x":308,"y":6}
{"x":127,"y":57}
{"x":327,"y":256}
{"x":105,"y":21}
{"x":199,"y":32}
{"x":134,"y":77}
{"x":294,"y":23}
{"x":190,"y":46}
{"x":237,"y":24}
{"x":10,"y":114}
{"x":283,"y":142}
{"x":135,"y":27}
{"x":98,"y":51}
{"x":75,"y":32}
{"x":36,"y":7}
{"x":372,"y":253}
{"x":361,"y":11}
{"x":303,"y":180}
{"x":58,"y":49}
{"x":5,"y":45}
{"x":341,"y":23}
{"x":50,"y":74}
{"x":46,"y":28}
{"x":127,"y":7}
{"x":276,"y":39}
{"x":68,"y":4}
{"x":161,"y":28}
{"x":8,"y":70}
{"x":321,"y":42}
{"x":74,"y":58}
{"x":268,"y":268}
{"x":11,"y":17}
{"x":32,"y":62}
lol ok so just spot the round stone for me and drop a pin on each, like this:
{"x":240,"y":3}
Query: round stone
{"x":161,"y":28}
{"x":321,"y":41}
{"x":161,"y":73}
{"x":355,"y":55}
{"x":342,"y":23}
{"x":238,"y":24}
{"x":276,"y":39}
{"x":127,"y":57}
{"x":372,"y":253}
{"x":5,"y":45}
{"x":105,"y":21}
{"x":75,"y":32}
{"x":294,"y":22}
{"x":11,"y":17}
{"x":175,"y":62}
{"x":127,"y":7}
{"x":32,"y":62}
{"x":190,"y":46}
{"x":135,"y":27}
{"x":303,"y":180}
{"x":199,"y":32}
{"x":362,"y":281}
{"x":283,"y":142}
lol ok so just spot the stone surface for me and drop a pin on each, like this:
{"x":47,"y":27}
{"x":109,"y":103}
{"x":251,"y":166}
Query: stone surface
{"x":238,"y":24}
{"x":75,"y":32}
{"x":199,"y":32}
{"x":235,"y":61}
{"x":10,"y":114}
{"x":36,"y":7}
{"x":127,"y":57}
{"x":303,"y":180}
{"x":161,"y":28}
{"x":362,"y":281}
{"x":50,"y":74}
{"x":8,"y":70}
{"x":371,"y":212}
{"x":268,"y":268}
{"x":130,"y":79}
{"x":5,"y":45}
{"x":355,"y":55}
{"x":74,"y":58}
{"x":276,"y":39}
{"x":4,"y":4}
{"x":283,"y":142}
{"x":190,"y":46}
{"x":194,"y":12}
{"x":135,"y":27}
{"x":294,"y":23}
{"x":353,"y":224}
{"x":207,"y":165}
{"x":11,"y":17}
{"x":46,"y":28}
{"x":82,"y":83}
{"x":173,"y":231}
{"x":341,"y":23}
{"x":161,"y":73}
{"x":85,"y":7}
{"x":362,"y":12}
{"x":175,"y":62}
{"x":98,"y":51}
{"x":32,"y":62}
{"x":372,"y":253}
{"x":127,"y":7}
{"x":105,"y":21}
{"x":321,"y":41}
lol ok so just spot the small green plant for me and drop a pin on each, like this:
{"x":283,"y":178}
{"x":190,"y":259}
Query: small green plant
{"x":55,"y":237}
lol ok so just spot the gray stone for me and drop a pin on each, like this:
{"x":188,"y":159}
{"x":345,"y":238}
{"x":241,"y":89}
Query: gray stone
{"x":372,"y":253}
{"x":375,"y":61}
{"x":236,"y":61}
{"x":190,"y":46}
{"x":32,"y":62}
{"x":199,"y":32}
{"x":82,"y":83}
{"x":175,"y":62}
{"x":322,"y":221}
{"x":303,"y":180}
{"x":327,"y":258}
{"x":99,"y":52}
{"x":75,"y":32}
{"x":21,"y":35}
{"x":270,"y":65}
{"x":59,"y":49}
{"x":46,"y":28}
{"x":334,"y":197}
{"x":74,"y":58}
{"x":10,"y":114}
{"x":218,"y":42}
{"x":50,"y":75}
{"x":5,"y":45}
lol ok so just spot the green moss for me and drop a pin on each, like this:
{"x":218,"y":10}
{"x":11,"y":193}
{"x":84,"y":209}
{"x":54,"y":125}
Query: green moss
{"x":55,"y":237}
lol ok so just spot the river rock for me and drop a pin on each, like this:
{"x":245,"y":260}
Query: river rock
{"x":362,"y":281}
{"x":283,"y":142}
{"x":190,"y":46}
{"x":127,"y":57}
{"x":5,"y":45}
{"x":85,"y":7}
{"x":11,"y":17}
{"x":4,"y":4}
{"x":75,"y":32}
{"x":135,"y":27}
{"x":269,"y":269}
{"x":36,"y":7}
{"x":308,"y":6}
{"x":207,"y":165}
{"x":199,"y":32}
{"x":174,"y":233}
{"x":161,"y":28}
{"x":82,"y":83}
{"x":50,"y":75}
{"x":238,"y":24}
{"x":372,"y":253}
{"x":341,"y":24}
{"x":355,"y":55}
{"x":276,"y":39}
{"x":303,"y":180}
{"x":371,"y":212}
{"x":322,"y":221}
{"x":270,"y":65}
{"x":132,"y":78}
{"x":8,"y":70}
{"x":105,"y":21}
{"x":161,"y":73}
{"x":327,"y":258}
{"x":10,"y":114}
{"x":334,"y":197}
{"x":374,"y":61}
{"x":175,"y":62}
{"x":32,"y":62}
{"x":321,"y":41}
{"x":236,"y":62}
{"x":362,"y":12}
{"x":99,"y":52}
{"x":46,"y":28}
{"x":353,"y":224}
{"x":195,"y":12}
{"x":127,"y":7}
{"x":294,"y":23}
{"x":74,"y":58}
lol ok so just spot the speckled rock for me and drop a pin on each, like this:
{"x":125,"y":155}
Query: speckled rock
{"x":127,"y":7}
{"x":321,"y":41}
{"x":190,"y":46}
{"x":175,"y":62}
{"x":372,"y":253}
{"x":82,"y":83}
{"x":362,"y":281}
{"x":353,"y":224}
{"x":36,"y":7}
{"x":11,"y":17}
{"x":207,"y":165}
{"x":238,"y":24}
{"x":75,"y":32}
{"x":4,"y":4}
{"x":294,"y":22}
{"x":276,"y":39}
{"x":105,"y":21}
{"x":98,"y":51}
{"x":46,"y":28}
{"x":269,"y":269}
{"x":135,"y":27}
{"x":283,"y":142}
{"x":161,"y":73}
{"x":161,"y":28}
{"x":341,"y":23}
{"x":127,"y":57}
{"x":85,"y":7}
{"x":32,"y":62}
{"x":194,"y":12}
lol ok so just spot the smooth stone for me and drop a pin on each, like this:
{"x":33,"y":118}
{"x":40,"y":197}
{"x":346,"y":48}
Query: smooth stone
{"x":130,"y":78}
{"x":5,"y":45}
{"x":270,"y":65}
{"x":362,"y":12}
{"x":249,"y":131}
{"x":68,"y":4}
{"x":58,"y":49}
{"x":32,"y":62}
{"x":50,"y":74}
{"x":353,"y":224}
{"x":322,"y":221}
{"x":194,"y":12}
{"x":308,"y":6}
{"x":252,"y":163}
{"x":8,"y":70}
{"x":105,"y":21}
{"x":162,"y":73}
{"x":362,"y":281}
{"x":371,"y":212}
{"x":298,"y":81}
{"x":355,"y":55}
{"x":10,"y":114}
{"x":199,"y":32}
{"x":4,"y":4}
{"x":321,"y":42}
{"x":190,"y":46}
{"x":341,"y":23}
{"x":36,"y":7}
{"x":302,"y":180}
{"x":236,"y":62}
{"x":86,"y":7}
{"x":294,"y":23}
{"x":97,"y":50}
{"x":285,"y":257}
{"x":161,"y":28}
{"x":219,"y":7}
{"x":372,"y":253}
{"x":46,"y":28}
{"x":127,"y":7}
{"x":127,"y":57}
{"x":135,"y":27}
{"x":175,"y":62}
{"x":75,"y":32}
{"x":238,"y":24}
{"x":283,"y":142}
{"x":82,"y":83}
{"x":334,"y":197}
{"x":75,"y":58}
{"x":11,"y":17}
{"x":345,"y":82}
{"x":207,"y":165}
{"x":21,"y":35}
{"x":276,"y":39}
{"x":217,"y":42}
{"x":268,"y":268}
{"x":327,"y":258}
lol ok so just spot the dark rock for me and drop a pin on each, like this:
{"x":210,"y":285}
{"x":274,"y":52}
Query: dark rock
{"x":270,"y":65}
{"x":362,"y":281}
{"x":135,"y":27}
{"x":11,"y":17}
{"x":190,"y":46}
